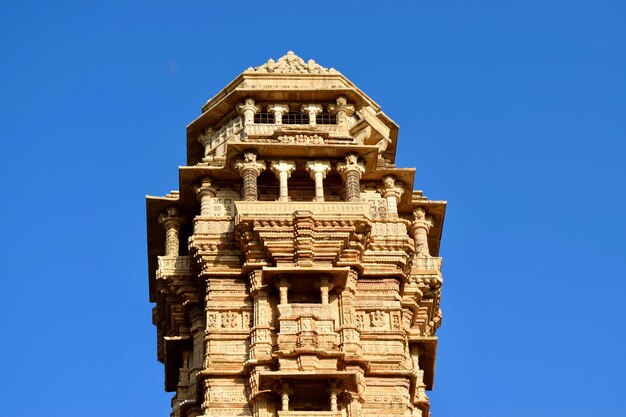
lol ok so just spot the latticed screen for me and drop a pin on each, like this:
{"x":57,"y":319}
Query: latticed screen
{"x":296,"y":119}
{"x":326,"y":119}
{"x":264,"y":118}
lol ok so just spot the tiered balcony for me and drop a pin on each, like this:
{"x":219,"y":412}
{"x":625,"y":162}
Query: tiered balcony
{"x":309,"y":414}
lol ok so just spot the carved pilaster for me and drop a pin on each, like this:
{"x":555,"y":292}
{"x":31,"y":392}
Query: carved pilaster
{"x":318,"y":171}
{"x":312,"y":110}
{"x":351,"y":172}
{"x":278,"y":110}
{"x":392,"y":190}
{"x":248,"y":110}
{"x":249,"y":169}
{"x":419,"y":228}
{"x":350,"y":336}
{"x":171,"y":221}
{"x":283,"y":170}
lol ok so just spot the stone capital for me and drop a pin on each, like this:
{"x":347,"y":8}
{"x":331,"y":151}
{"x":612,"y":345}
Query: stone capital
{"x":248,"y":109}
{"x":314,"y":167}
{"x":352,"y":164}
{"x":204,"y":189}
{"x":279,"y":167}
{"x":171,"y":217}
{"x":278,"y":110}
{"x":342,"y":107}
{"x":311,"y":109}
{"x":391,"y":187}
{"x":421,"y":220}
{"x":249,"y":162}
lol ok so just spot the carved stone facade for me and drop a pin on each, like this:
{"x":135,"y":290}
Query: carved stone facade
{"x":295,"y":273}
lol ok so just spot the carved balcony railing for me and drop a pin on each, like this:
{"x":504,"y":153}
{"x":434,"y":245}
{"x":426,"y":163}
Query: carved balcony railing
{"x":286,"y":209}
{"x":219,"y":138}
{"x":214,"y":226}
{"x":174,"y":265}
{"x":309,"y":414}
{"x":427,"y":263}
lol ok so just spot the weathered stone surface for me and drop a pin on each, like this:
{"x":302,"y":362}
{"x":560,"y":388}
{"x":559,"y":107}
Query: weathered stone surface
{"x":295,"y":274}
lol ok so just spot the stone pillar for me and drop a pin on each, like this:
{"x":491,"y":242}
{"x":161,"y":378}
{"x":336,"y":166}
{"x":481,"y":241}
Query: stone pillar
{"x":351,"y":172}
{"x":392,"y":190}
{"x":205,"y":192}
{"x":312,"y":110}
{"x":249,"y":169}
{"x":343,"y":110}
{"x":325,"y":287}
{"x":284,"y":395}
{"x":283,"y":288}
{"x":171,"y":220}
{"x":419,"y":228}
{"x":278,"y":110}
{"x":318,"y":171}
{"x":334,"y":390}
{"x":283,"y":170}
{"x":248,"y":110}
{"x":206,"y":140}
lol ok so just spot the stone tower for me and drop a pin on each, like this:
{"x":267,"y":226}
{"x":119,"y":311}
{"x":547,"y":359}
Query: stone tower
{"x":295,"y":272}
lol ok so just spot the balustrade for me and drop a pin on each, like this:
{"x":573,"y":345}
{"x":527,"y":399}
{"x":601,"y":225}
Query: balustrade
{"x":173,"y":264}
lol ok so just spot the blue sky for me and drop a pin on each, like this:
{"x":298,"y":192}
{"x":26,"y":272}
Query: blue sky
{"x":512,"y":111}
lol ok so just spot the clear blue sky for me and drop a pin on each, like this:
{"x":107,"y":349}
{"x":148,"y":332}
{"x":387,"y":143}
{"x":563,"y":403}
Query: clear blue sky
{"x":512,"y":111}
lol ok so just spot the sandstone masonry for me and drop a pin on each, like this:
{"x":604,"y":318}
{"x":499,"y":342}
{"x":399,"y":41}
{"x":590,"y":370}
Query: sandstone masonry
{"x":295,"y":272}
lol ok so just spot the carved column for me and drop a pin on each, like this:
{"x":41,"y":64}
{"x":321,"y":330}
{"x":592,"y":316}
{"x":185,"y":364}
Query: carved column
{"x":278,"y":110}
{"x":284,"y":395}
{"x":249,"y":169}
{"x":392,"y":191}
{"x":283,"y":170}
{"x":334,"y":390}
{"x":318,"y":171}
{"x":325,"y":287}
{"x":343,"y":110}
{"x":419,"y":228}
{"x":351,"y":172}
{"x":206,"y":140}
{"x":205,"y":192}
{"x":248,"y":110}
{"x":171,"y":220}
{"x":283,"y":288}
{"x":312,"y":110}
